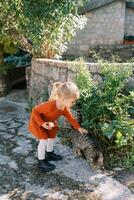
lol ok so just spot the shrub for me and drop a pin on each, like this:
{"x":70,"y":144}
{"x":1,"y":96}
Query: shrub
{"x":105,"y":108}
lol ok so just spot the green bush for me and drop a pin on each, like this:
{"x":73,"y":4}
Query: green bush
{"x":7,"y":45}
{"x":105,"y":108}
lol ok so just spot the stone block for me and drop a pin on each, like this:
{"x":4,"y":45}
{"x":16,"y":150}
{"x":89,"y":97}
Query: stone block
{"x":71,"y":76}
{"x":97,"y":79}
{"x":62,"y":74}
{"x":93,"y":67}
{"x":130,"y":83}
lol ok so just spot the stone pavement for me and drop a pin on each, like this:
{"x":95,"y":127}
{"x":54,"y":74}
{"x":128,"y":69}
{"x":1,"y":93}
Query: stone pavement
{"x":19,"y":177}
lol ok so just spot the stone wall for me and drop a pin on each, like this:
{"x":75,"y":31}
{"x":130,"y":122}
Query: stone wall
{"x":45,"y":72}
{"x":105,"y":25}
{"x":129,"y":22}
{"x":3,"y":85}
{"x":123,"y":52}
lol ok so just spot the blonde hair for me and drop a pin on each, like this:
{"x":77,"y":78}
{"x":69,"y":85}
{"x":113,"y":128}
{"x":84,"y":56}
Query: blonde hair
{"x":65,"y":90}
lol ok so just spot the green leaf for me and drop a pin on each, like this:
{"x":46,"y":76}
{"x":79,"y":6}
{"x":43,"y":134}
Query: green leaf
{"x":118,"y":135}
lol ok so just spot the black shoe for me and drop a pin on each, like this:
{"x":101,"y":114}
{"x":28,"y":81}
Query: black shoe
{"x":45,"y":166}
{"x":52,"y":156}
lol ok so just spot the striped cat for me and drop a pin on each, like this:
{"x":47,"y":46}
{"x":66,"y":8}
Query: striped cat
{"x":86,"y":146}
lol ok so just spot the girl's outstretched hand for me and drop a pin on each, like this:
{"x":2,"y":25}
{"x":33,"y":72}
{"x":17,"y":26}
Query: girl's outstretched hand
{"x":48,"y":125}
{"x":82,"y":130}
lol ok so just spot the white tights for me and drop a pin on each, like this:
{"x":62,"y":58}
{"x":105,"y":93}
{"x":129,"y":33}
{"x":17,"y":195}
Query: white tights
{"x":43,"y":146}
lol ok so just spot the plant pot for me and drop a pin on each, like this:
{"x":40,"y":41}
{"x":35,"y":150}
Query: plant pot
{"x":4,"y":86}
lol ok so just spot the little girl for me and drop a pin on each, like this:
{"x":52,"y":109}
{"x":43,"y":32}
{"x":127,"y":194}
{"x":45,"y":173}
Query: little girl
{"x":43,"y":121}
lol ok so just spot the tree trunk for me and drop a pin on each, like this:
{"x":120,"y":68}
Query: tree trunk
{"x":3,"y":78}
{"x":1,"y":55}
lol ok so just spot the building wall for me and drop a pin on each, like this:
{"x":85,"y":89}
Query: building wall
{"x":129,"y":22}
{"x":105,"y":25}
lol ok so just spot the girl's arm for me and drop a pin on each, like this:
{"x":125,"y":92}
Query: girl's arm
{"x":37,"y":112}
{"x":67,"y":113}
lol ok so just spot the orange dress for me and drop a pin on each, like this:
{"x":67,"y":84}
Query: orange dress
{"x":48,"y":112}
